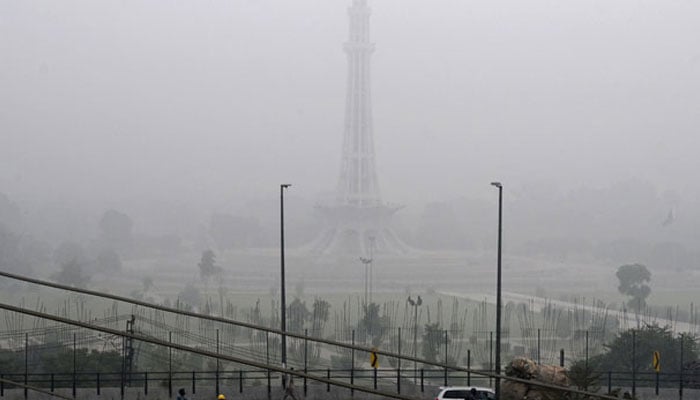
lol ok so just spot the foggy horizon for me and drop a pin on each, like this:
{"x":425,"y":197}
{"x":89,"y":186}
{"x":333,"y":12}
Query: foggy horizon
{"x":145,"y":149}
{"x":208,"y":105}
{"x":183,"y":115}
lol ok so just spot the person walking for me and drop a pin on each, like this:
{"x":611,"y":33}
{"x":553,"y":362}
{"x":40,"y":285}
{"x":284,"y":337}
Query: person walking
{"x":181,"y":394}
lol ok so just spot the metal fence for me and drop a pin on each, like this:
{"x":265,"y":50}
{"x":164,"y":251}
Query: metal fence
{"x":387,"y":378}
{"x":240,"y":380}
{"x":688,"y":379}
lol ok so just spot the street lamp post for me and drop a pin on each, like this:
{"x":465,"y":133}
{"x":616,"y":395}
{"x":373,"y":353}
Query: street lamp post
{"x":367,"y":262}
{"x":415,"y":305}
{"x":283,"y":314}
{"x":498,"y":290}
{"x":371,"y":266}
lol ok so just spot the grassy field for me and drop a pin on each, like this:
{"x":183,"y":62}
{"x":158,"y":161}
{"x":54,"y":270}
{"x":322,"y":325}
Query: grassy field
{"x":251,"y":276}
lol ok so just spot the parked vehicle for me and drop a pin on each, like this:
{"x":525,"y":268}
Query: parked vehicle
{"x":465,"y":393}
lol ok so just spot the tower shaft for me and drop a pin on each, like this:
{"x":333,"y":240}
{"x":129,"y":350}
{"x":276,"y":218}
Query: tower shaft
{"x":358,"y":222}
{"x":358,"y":184}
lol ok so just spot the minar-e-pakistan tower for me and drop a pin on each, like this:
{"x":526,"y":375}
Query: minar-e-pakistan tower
{"x":358,"y":220}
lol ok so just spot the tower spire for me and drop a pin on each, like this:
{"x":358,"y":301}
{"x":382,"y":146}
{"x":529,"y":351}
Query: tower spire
{"x":358,"y":223}
{"x":358,"y":184}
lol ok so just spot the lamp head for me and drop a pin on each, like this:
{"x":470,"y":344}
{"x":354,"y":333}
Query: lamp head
{"x":285,"y":185}
{"x":497,"y":184}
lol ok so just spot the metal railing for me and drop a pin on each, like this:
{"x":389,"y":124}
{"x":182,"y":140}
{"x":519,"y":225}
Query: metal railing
{"x":266,"y":366}
{"x":241,"y":380}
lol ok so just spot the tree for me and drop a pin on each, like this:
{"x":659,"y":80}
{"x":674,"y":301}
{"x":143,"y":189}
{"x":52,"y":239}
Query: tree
{"x":648,"y":339}
{"x":115,"y":228}
{"x":190,"y":296}
{"x":72,"y":273}
{"x":633,"y":283}
{"x":298,"y":314}
{"x":584,"y":376}
{"x":433,"y":337}
{"x":299,"y":288}
{"x":12,"y":256}
{"x":207,"y":265}
{"x":19,"y":253}
{"x":68,"y":252}
{"x":58,"y":358}
{"x":371,"y":320}
{"x":146,"y":285}
{"x":373,"y":325}
{"x":320,"y":314}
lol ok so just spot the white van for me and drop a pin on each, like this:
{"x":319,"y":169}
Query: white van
{"x":464,"y":393}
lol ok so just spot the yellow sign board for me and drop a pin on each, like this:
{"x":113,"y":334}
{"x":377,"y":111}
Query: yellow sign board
{"x":373,"y":359}
{"x":656,"y":361}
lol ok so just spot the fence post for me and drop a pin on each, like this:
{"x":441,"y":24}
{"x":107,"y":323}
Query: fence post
{"x":170,"y":365}
{"x":267,"y":354}
{"x":398,"y":381}
{"x":538,"y":347}
{"x":26,"y":364}
{"x":634,"y":363}
{"x":306,"y":359}
{"x":469,"y":367}
{"x":586,"y":350}
{"x":609,"y":382}
{"x":680,"y":378}
{"x":328,"y":385}
{"x":375,"y":378}
{"x":398,"y":369}
{"x":194,"y":383}
{"x":98,"y":383}
{"x":240,"y":381}
{"x":561,"y":357}
{"x":122,"y":377}
{"x":122,"y":380}
{"x":217,"y":362}
{"x":422,"y":385}
{"x":74,"y":363}
{"x":656,"y":389}
{"x":2,"y":385}
{"x":53,"y":383}
{"x":491,"y":356}
{"x":352,"y":364}
{"x":145,"y":383}
{"x":445,"y":357}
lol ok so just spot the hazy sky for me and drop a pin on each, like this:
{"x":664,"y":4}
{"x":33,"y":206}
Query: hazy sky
{"x":216,"y":102}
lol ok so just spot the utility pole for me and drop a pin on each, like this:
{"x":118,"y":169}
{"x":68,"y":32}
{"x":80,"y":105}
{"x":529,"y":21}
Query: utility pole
{"x":415,"y":304}
{"x":283,"y":311}
{"x":367,"y":262}
{"x":371,"y":266}
{"x":498,"y":289}
{"x":129,"y":349}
